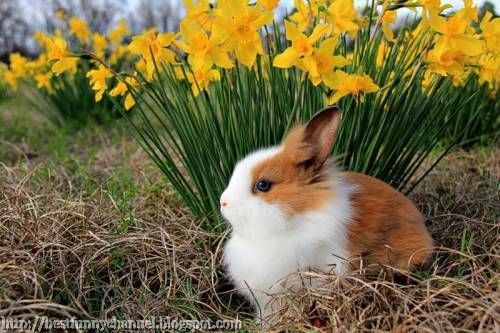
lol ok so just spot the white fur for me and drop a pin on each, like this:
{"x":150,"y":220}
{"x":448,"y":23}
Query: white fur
{"x":265,"y":246}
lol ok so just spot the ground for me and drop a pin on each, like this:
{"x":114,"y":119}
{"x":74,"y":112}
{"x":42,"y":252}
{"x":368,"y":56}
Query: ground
{"x":90,"y":228}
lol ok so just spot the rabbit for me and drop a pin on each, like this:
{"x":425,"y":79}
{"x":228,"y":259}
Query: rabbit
{"x":290,"y":210}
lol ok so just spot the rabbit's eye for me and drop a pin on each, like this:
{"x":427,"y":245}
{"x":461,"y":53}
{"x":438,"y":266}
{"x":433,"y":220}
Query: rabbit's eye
{"x":263,"y":186}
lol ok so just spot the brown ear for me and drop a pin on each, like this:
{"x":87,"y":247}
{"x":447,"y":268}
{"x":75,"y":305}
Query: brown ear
{"x":320,"y":133}
{"x":311,"y":144}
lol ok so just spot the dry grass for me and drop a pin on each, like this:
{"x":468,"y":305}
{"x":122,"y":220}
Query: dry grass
{"x":80,"y":241}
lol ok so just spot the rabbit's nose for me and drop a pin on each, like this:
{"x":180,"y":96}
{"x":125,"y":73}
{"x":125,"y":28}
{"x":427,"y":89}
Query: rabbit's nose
{"x":223,"y":201}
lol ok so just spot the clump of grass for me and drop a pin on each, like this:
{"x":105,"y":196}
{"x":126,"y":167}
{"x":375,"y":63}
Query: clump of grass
{"x":479,"y":124}
{"x":103,"y":236}
{"x":72,"y":103}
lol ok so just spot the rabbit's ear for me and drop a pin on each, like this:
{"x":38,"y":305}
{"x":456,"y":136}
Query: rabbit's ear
{"x":311,"y":144}
{"x":320,"y":133}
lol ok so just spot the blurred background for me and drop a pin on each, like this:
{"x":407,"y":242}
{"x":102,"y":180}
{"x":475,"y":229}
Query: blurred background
{"x":19,"y":19}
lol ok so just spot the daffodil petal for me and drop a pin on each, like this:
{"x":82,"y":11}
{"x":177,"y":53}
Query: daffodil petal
{"x":328,"y":45}
{"x":246,"y":54}
{"x":334,"y":79}
{"x":469,"y":46}
{"x":335,"y":98}
{"x":221,"y":59}
{"x":189,"y":29}
{"x":291,"y":31}
{"x":388,"y":33}
{"x":221,"y":29}
{"x":136,"y":45}
{"x":436,"y":22}
{"x":311,"y":66}
{"x":319,"y":31}
{"x":166,"y":39}
{"x":182,"y":46}
{"x":286,"y":59}
{"x":339,"y":61}
{"x":231,"y":7}
{"x":129,"y":101}
{"x":195,"y":89}
{"x":264,"y":19}
{"x":316,"y":80}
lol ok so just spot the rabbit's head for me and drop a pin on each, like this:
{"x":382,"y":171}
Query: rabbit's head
{"x":272,"y":185}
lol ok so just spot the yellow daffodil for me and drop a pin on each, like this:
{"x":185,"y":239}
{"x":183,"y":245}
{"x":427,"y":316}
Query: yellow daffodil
{"x":468,"y":12}
{"x":61,"y":14}
{"x":322,"y":61}
{"x":490,"y":32}
{"x":18,"y":65}
{"x":39,"y":64}
{"x":454,"y":34}
{"x":10,"y":78}
{"x":460,"y":78}
{"x":388,"y":17}
{"x":237,"y":25}
{"x":199,"y":79}
{"x":265,"y":64}
{"x":382,"y":53}
{"x":349,"y":57}
{"x":79,"y":28}
{"x":305,"y":12}
{"x":199,"y":12}
{"x":119,"y":53}
{"x":429,"y":76}
{"x":345,"y":84}
{"x":445,"y":60}
{"x":140,"y":66}
{"x":427,"y":7}
{"x":100,"y":44}
{"x":302,"y":16}
{"x":153,"y":48}
{"x":116,"y":35}
{"x":122,"y":89}
{"x":489,"y":69}
{"x":97,"y":78}
{"x":41,"y":38}
{"x":58,"y":33}
{"x":203,"y":51}
{"x":432,"y":5}
{"x":342,"y":16}
{"x":302,"y":46}
{"x":43,"y":82}
{"x":268,"y":4}
{"x":57,"y":50}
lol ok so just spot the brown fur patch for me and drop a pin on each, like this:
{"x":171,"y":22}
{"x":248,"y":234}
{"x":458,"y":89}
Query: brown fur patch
{"x":295,"y":187}
{"x":295,"y":148}
{"x":387,"y":228}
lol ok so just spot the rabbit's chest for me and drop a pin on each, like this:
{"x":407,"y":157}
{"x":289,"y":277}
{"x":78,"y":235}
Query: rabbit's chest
{"x":266,"y":266}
